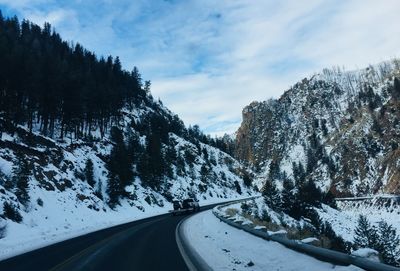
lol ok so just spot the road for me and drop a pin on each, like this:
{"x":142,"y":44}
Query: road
{"x":147,"y":244}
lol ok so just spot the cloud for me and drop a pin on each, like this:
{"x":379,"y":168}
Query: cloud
{"x":208,"y":59}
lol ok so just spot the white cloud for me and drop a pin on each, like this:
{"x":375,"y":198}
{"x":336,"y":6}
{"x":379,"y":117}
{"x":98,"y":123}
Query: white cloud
{"x":208,"y":59}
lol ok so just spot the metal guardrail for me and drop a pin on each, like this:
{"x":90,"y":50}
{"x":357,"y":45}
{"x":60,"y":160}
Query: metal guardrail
{"x":322,"y":254}
{"x":387,"y":197}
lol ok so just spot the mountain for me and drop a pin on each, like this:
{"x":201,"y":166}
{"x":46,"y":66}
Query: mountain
{"x":84,"y":145}
{"x":339,"y":128}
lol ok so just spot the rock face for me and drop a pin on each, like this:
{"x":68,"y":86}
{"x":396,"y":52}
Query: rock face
{"x":342,"y":128}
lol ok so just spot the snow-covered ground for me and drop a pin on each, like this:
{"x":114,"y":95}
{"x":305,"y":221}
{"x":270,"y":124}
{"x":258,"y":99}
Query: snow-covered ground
{"x":344,"y":220}
{"x":25,"y":237}
{"x":43,"y":227}
{"x":63,"y":205}
{"x":226,"y":248}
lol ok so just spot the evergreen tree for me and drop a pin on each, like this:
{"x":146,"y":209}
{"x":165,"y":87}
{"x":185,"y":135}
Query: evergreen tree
{"x":247,"y":180}
{"x":329,"y":199}
{"x":288,"y":196}
{"x":365,"y":234}
{"x":61,"y":83}
{"x":113,"y":190}
{"x":170,"y":153}
{"x":299,"y":173}
{"x":311,"y":160}
{"x":134,"y":147}
{"x":310,"y":194}
{"x":389,"y":244}
{"x":396,"y":88}
{"x":274,"y":170}
{"x":204,"y":173}
{"x":11,"y":212}
{"x":89,"y":174}
{"x":337,"y":242}
{"x":271,"y":195}
{"x":21,"y":178}
{"x":119,"y":167}
{"x":238,"y":188}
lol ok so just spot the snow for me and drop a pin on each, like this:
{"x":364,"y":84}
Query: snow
{"x":259,"y":227}
{"x":364,"y":252}
{"x":280,"y":232}
{"x":309,"y":240}
{"x":71,"y":207}
{"x":43,"y":227}
{"x":344,"y":220}
{"x":226,"y":248}
{"x":367,"y":253}
{"x":5,"y":166}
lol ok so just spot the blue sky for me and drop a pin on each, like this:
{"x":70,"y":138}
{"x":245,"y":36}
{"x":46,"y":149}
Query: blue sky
{"x":208,"y":59}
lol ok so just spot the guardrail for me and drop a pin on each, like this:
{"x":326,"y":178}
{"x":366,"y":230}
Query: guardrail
{"x":323,"y":254}
{"x":388,"y":197}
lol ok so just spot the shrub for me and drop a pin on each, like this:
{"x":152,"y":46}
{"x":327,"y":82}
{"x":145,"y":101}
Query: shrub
{"x":265,"y":216}
{"x":238,"y":188}
{"x":245,"y":208}
{"x":3,"y":228}
{"x":336,"y":242}
{"x":11,"y":212}
{"x":39,"y":202}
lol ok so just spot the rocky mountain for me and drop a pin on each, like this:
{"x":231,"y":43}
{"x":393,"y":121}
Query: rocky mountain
{"x":340,"y":128}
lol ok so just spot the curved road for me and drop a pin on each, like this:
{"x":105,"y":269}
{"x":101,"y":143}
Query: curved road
{"x":147,"y":244}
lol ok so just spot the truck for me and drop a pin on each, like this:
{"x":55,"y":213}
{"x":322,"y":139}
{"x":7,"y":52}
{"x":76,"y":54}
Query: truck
{"x":189,"y":205}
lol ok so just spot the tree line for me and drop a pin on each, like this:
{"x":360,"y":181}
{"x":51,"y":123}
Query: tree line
{"x":48,"y":83}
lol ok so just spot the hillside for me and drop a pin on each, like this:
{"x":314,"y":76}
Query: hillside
{"x":83,"y":144}
{"x":338,"y":128}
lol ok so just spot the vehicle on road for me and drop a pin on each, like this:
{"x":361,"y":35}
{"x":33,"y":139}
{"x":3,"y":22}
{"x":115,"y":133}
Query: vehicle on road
{"x":189,"y":205}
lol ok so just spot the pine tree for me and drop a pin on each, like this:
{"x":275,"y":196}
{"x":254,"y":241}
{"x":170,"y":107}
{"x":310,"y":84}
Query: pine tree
{"x":274,"y":170}
{"x":337,"y":242}
{"x":311,"y":160}
{"x":389,"y":244}
{"x":365,"y":234}
{"x":396,"y":88}
{"x":113,"y":190}
{"x":238,"y":188}
{"x":329,"y":199}
{"x":118,"y":163}
{"x":288,"y":197}
{"x":21,"y":178}
{"x":271,"y":195}
{"x":204,"y":173}
{"x":89,"y":174}
{"x":310,"y":194}
{"x":247,"y":180}
{"x":11,"y":212}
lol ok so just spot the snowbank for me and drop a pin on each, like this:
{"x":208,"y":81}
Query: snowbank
{"x":227,"y":248}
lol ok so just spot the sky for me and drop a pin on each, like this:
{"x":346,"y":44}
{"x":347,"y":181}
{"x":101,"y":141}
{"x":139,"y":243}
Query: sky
{"x":208,"y":59}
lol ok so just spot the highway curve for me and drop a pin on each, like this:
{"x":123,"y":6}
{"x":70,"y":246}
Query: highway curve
{"x":147,"y":244}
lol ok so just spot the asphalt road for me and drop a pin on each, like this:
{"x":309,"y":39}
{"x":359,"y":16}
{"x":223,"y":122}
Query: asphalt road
{"x":147,"y":244}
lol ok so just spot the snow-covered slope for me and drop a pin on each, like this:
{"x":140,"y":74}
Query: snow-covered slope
{"x":343,"y":127}
{"x":63,"y":204}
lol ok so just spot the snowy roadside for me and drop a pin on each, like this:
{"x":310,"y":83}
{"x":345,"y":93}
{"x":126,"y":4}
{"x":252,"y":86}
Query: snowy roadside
{"x":22,"y":240}
{"x":59,"y":224}
{"x":227,"y":248}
